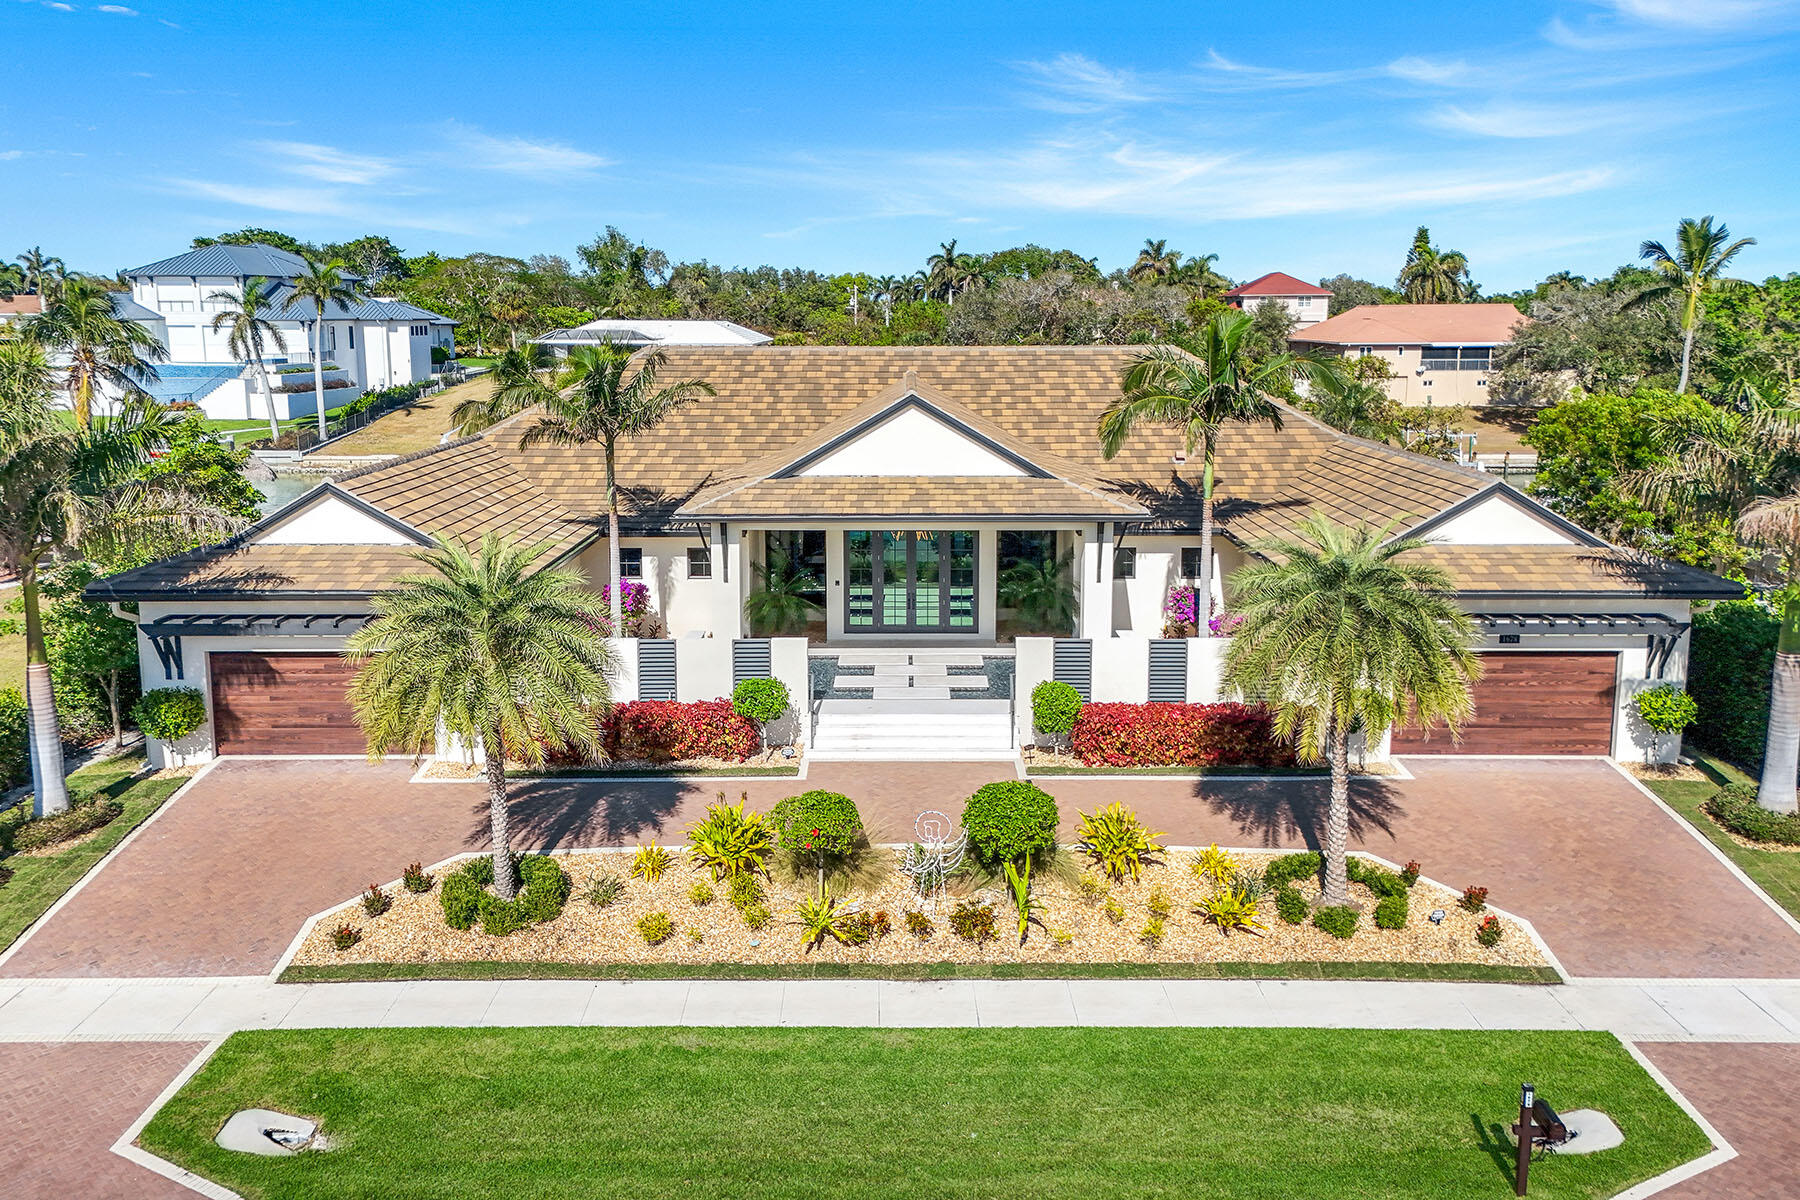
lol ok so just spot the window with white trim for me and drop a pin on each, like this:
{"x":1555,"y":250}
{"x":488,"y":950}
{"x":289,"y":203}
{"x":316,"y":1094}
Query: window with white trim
{"x":699,"y":562}
{"x":631,"y":562}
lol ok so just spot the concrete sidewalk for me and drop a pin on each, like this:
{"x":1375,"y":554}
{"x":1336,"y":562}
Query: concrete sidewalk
{"x":188,"y":1010}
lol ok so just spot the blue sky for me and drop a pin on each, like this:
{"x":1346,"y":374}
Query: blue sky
{"x":1532,"y":136}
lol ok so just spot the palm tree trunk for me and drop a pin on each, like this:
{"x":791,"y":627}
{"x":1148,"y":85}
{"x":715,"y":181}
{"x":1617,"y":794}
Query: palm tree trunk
{"x":40,"y":704}
{"x":84,"y":400}
{"x":269,"y":394}
{"x":1687,"y":355}
{"x":1781,"y":753}
{"x":494,"y":764}
{"x":318,"y":375}
{"x":1203,"y":601}
{"x":612,"y":548}
{"x":1337,"y":821}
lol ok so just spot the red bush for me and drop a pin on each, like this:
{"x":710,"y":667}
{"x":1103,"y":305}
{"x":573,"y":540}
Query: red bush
{"x":1178,"y":735}
{"x":660,"y":730}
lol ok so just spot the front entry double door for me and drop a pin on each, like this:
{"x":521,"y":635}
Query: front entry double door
{"x":910,"y":581}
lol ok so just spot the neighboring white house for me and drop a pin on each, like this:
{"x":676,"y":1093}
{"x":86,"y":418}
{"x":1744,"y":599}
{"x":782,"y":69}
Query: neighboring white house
{"x":372,"y":344}
{"x":1440,"y":354}
{"x":1306,"y":303}
{"x":636,"y":334}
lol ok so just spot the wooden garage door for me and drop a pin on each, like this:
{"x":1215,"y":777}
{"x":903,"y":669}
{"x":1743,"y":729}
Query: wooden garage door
{"x":1545,"y":703}
{"x":283,"y":704}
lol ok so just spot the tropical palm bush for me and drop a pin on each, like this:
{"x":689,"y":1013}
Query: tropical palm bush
{"x":1118,"y":842}
{"x":493,"y":653}
{"x":780,"y":603}
{"x":1340,"y":628}
{"x":1042,"y":593}
{"x":730,"y":841}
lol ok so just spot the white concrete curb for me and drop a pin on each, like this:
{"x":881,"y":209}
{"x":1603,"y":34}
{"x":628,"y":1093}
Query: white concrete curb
{"x":127,"y":1148}
{"x":1721,"y":1153}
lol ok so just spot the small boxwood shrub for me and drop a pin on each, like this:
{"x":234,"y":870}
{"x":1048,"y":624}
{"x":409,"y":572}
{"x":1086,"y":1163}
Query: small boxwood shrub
{"x":666,"y":730}
{"x":169,"y":714}
{"x":1339,"y":922}
{"x":501,"y":917}
{"x":1054,"y":707}
{"x":1735,"y":808}
{"x":1291,"y":905}
{"x":545,"y":888}
{"x":818,"y":822}
{"x":1009,"y":820}
{"x":1382,"y":882}
{"x":1291,"y":868}
{"x":460,"y":897}
{"x":40,"y":833}
{"x":760,"y":700}
{"x":1390,"y":911}
{"x":1179,"y":735}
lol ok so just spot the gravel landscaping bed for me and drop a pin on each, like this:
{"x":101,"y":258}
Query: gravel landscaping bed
{"x":413,"y":929}
{"x":767,"y":762}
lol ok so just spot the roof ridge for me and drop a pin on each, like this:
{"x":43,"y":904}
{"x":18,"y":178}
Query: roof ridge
{"x":372,"y":468}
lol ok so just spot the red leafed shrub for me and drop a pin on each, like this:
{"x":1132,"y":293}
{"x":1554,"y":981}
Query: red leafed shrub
{"x":1178,"y":735}
{"x":660,"y":730}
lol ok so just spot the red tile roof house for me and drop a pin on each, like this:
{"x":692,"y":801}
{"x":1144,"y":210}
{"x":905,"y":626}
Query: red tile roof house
{"x":14,"y":308}
{"x":906,"y":480}
{"x":1440,"y":354}
{"x":1306,"y":303}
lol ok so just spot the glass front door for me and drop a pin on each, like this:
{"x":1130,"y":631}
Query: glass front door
{"x":910,"y":580}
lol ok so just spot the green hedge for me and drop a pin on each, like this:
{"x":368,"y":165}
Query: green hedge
{"x":1735,"y":808}
{"x":1729,"y":664}
{"x":15,"y":763}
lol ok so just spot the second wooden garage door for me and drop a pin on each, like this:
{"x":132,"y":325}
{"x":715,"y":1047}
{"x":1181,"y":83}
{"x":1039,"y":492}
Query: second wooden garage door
{"x":283,"y":704}
{"x":1547,"y":703}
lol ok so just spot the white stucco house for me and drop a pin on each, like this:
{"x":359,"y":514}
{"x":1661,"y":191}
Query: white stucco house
{"x":637,"y":334}
{"x":373,"y":343}
{"x":905,"y":482}
{"x":1307,"y":303}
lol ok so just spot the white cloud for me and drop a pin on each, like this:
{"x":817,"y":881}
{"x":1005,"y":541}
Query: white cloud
{"x":327,"y":162}
{"x":1429,"y":70}
{"x":1219,"y":72}
{"x":1501,"y":119}
{"x":1700,"y":14}
{"x":118,"y":10}
{"x":59,"y":6}
{"x":9,"y":155}
{"x":305,"y":200}
{"x":519,"y":156}
{"x":1077,"y":83}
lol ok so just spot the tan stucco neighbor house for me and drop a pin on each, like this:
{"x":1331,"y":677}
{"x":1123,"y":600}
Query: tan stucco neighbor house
{"x":907,"y":481}
{"x":1440,"y":354}
{"x":1307,"y":303}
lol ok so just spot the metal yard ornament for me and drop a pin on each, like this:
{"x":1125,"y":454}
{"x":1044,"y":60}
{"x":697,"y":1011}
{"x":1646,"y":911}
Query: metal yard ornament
{"x":934,"y":856}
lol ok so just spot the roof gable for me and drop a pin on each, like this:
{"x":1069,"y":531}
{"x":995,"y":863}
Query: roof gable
{"x":1278,"y":283}
{"x":912,"y":437}
{"x":330,"y":516}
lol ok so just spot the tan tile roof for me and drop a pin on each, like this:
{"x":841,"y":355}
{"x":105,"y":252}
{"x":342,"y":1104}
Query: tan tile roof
{"x":1416,"y":324}
{"x":889,"y":496}
{"x":465,"y":489}
{"x":1599,"y":571}
{"x":267,"y":571}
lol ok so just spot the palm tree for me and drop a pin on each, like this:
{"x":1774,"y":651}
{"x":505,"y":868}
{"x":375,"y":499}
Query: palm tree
{"x":780,"y":604}
{"x":942,"y":271}
{"x":40,"y":269}
{"x":596,"y":400}
{"x":1433,"y":276}
{"x":320,"y":286}
{"x":72,"y":491}
{"x":1774,"y":523}
{"x":495,"y":654}
{"x":1341,"y":629}
{"x":1198,"y":273}
{"x":246,"y":314}
{"x":12,"y":281}
{"x":1155,"y":261}
{"x":101,"y":348}
{"x":1355,"y":407}
{"x":1043,"y":593}
{"x":1695,"y":269}
{"x":1201,"y":386}
{"x":1716,"y":461}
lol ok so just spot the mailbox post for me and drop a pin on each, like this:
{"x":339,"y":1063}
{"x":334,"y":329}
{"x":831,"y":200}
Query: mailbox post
{"x":1522,"y":1165}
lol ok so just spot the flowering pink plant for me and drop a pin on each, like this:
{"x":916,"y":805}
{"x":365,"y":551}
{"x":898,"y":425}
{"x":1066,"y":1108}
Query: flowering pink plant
{"x":1225,"y":624}
{"x":634,"y":597}
{"x":1181,"y":606}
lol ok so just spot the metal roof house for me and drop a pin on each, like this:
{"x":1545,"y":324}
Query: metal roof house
{"x":636,"y":334}
{"x":373,"y":343}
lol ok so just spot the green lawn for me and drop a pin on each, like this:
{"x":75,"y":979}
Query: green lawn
{"x":38,"y":882}
{"x":905,"y":1114}
{"x":1776,"y":872}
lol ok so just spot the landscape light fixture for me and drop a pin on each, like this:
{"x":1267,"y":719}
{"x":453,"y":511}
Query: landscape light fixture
{"x":1437,"y":916}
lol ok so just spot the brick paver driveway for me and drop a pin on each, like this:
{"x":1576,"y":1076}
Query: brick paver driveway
{"x":1746,"y":1091}
{"x":221,"y":882}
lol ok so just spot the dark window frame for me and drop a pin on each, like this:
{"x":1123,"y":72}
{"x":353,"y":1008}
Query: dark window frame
{"x":631,"y":562}
{"x":1124,"y":562}
{"x":700,"y":557}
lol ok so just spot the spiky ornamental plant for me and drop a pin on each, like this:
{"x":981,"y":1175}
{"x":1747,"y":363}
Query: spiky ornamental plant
{"x":1341,"y":627}
{"x":494,"y":653}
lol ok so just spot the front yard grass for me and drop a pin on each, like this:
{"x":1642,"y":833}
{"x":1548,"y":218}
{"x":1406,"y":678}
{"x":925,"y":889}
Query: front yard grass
{"x":40,"y":880}
{"x":1777,"y":872}
{"x":759,"y":1114}
{"x":418,"y":426}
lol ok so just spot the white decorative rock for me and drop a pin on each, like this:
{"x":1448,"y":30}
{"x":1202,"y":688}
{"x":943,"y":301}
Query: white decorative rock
{"x":249,"y":1132}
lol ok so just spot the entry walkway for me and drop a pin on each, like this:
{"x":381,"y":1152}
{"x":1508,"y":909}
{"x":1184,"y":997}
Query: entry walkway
{"x":199,"y":1009}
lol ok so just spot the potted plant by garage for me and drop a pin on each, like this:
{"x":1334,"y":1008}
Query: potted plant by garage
{"x":169,"y":715}
{"x":1054,"y":709}
{"x":1666,"y":709}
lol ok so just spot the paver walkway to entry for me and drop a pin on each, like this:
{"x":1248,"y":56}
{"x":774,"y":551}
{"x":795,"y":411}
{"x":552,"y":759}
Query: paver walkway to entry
{"x":220,"y":883}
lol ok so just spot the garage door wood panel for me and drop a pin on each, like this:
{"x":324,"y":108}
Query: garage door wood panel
{"x":1544,"y":703}
{"x":283,"y":704}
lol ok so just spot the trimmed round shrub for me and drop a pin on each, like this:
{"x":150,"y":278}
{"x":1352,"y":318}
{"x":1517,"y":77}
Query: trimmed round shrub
{"x":1010,"y":820}
{"x":760,"y":700}
{"x":1291,"y":905}
{"x":1390,"y":912}
{"x":1735,"y":808}
{"x":817,"y":822}
{"x":1666,"y":708}
{"x":1338,"y":922}
{"x":1054,"y":707}
{"x":169,"y":714}
{"x":655,"y":928}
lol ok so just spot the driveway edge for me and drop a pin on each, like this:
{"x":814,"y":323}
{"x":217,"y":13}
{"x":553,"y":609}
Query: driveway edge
{"x":126,"y":1146}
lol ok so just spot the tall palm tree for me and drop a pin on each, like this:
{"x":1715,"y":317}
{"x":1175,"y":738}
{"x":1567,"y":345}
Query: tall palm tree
{"x":1199,"y":273}
{"x":1774,"y":523}
{"x":1695,"y":269}
{"x":1200,"y":386}
{"x":101,"y":349}
{"x":246,"y":315}
{"x":67,"y":491}
{"x":596,"y":400}
{"x":1340,"y":628}
{"x":40,"y":269}
{"x":1155,"y":261}
{"x":1434,"y":276}
{"x":493,"y":653}
{"x":941,"y":271}
{"x":1716,"y":461}
{"x":321,"y":286}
